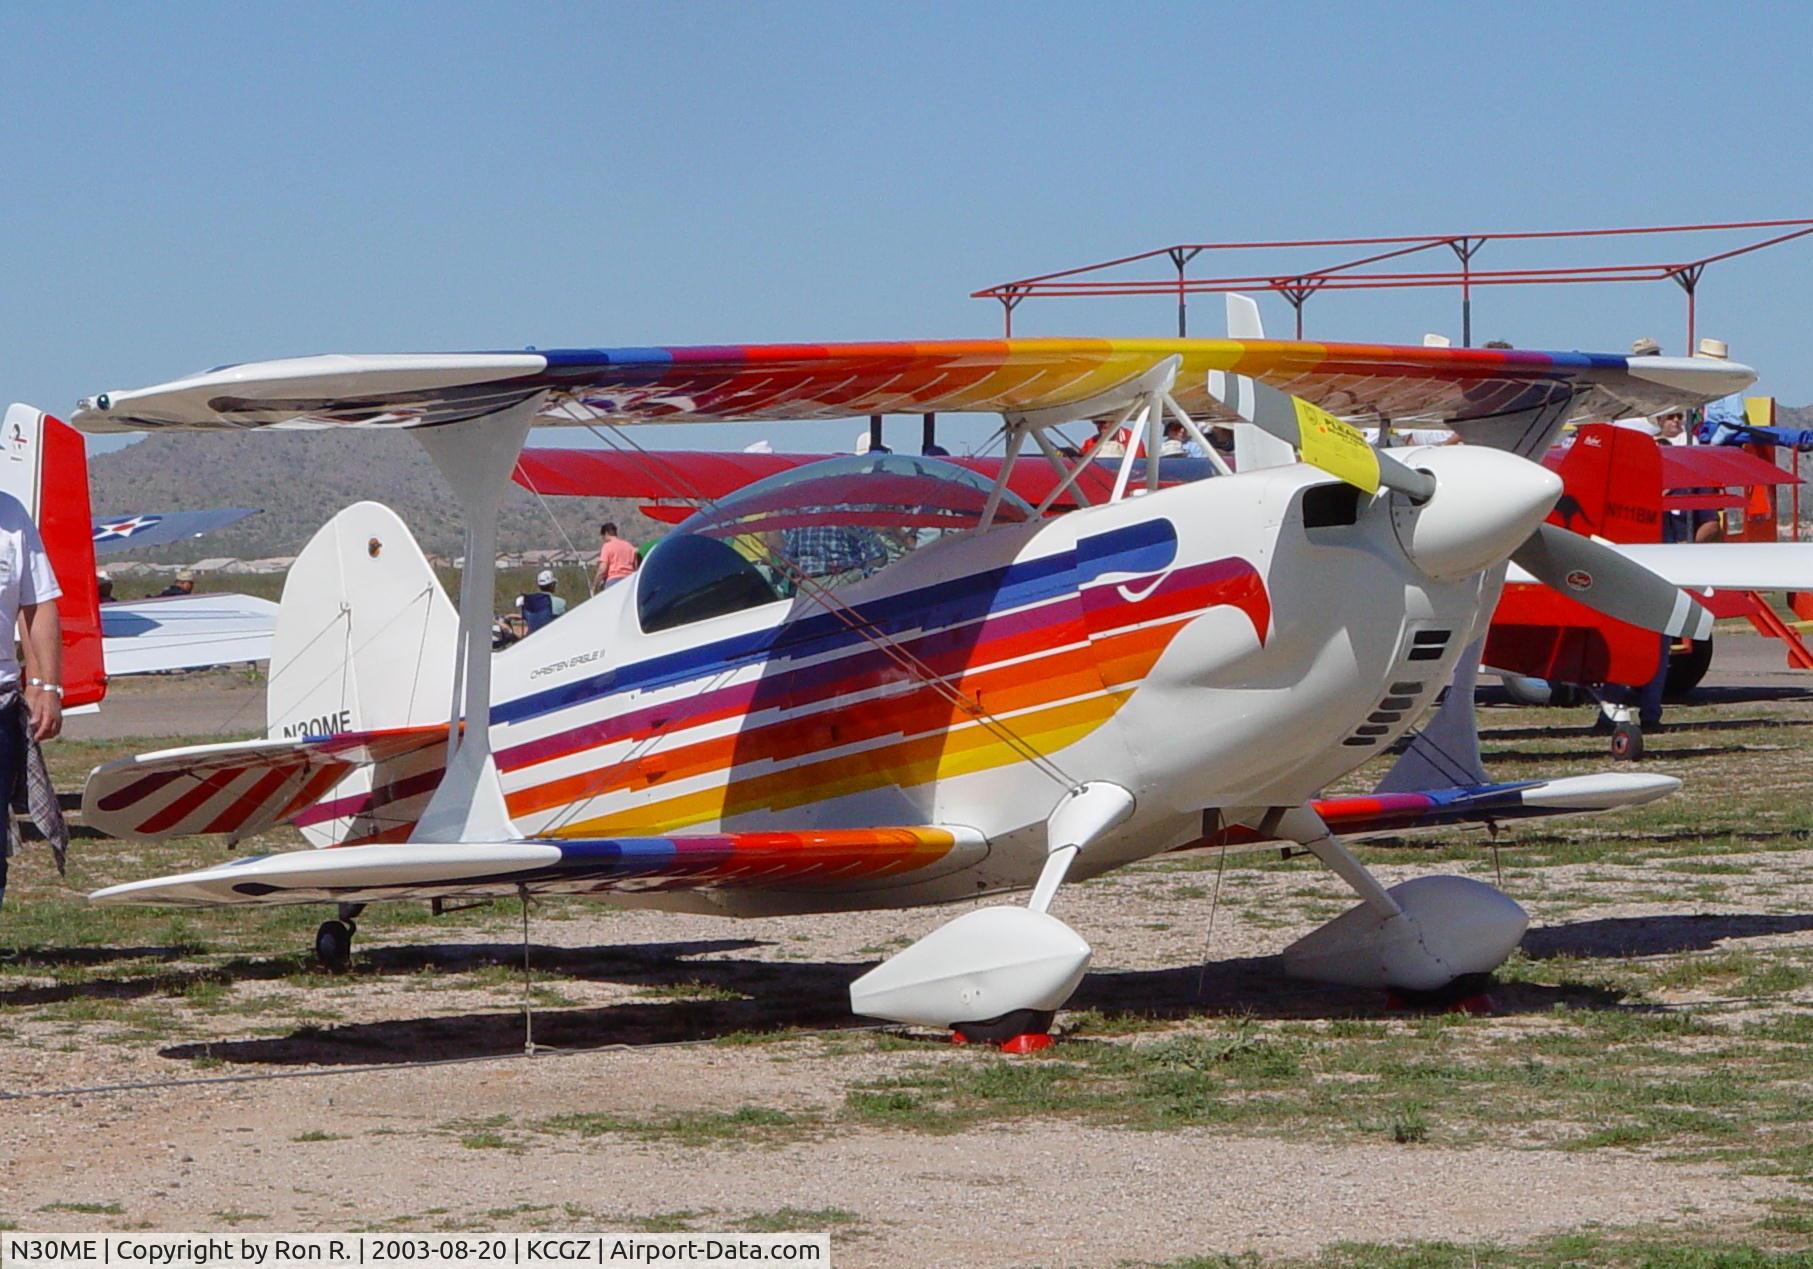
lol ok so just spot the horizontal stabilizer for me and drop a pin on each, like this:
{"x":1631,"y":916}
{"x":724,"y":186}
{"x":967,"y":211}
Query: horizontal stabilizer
{"x":427,"y":870}
{"x":240,"y":788}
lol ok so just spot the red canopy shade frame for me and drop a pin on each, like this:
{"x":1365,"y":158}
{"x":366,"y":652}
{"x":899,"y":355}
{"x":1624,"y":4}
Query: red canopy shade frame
{"x":1362,"y":273}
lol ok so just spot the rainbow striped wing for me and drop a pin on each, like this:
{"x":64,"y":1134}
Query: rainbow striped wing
{"x":1482,"y":805}
{"x":827,"y":381}
{"x":834,"y":859}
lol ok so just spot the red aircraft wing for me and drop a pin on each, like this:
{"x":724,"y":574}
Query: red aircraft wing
{"x":689,"y":477}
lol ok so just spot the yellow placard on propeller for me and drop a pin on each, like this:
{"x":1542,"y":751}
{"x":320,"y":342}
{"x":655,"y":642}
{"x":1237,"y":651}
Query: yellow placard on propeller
{"x":1338,"y":448}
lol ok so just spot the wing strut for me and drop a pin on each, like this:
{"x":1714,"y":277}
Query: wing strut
{"x":476,"y":456}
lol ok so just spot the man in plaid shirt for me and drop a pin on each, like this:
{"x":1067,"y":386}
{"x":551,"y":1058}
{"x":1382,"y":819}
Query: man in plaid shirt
{"x":824,"y":551}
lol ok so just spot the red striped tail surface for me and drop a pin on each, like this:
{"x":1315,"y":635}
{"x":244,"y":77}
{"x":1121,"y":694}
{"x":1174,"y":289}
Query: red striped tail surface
{"x":244,"y":787}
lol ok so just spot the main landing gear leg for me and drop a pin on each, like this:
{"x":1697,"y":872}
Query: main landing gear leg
{"x":1417,"y":939}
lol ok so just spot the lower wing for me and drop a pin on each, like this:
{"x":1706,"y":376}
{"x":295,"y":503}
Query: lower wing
{"x":185,"y":632}
{"x":1369,"y":814}
{"x":825,"y":859}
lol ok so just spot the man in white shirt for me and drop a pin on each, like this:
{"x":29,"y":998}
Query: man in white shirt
{"x":28,"y":592}
{"x":27,"y":588}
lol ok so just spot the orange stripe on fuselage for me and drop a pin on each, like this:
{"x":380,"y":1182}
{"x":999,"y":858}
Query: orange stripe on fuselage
{"x":914,"y":709}
{"x":943,"y":755}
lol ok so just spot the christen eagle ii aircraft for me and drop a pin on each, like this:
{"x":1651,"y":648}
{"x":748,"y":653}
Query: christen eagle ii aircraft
{"x":884,"y":681}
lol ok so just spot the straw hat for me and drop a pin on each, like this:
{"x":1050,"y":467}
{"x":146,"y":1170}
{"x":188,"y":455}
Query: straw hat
{"x":1717,"y":349}
{"x":1645,"y":347}
{"x":185,"y":575}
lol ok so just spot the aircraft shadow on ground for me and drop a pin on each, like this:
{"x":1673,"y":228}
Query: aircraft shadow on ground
{"x":801,"y":995}
{"x":68,"y":957}
{"x":1653,"y":752}
{"x":617,"y":963}
{"x":1745,"y":693}
{"x":1490,"y":735}
{"x":1614,"y":937}
{"x":1512,"y":846}
{"x":1724,"y":694}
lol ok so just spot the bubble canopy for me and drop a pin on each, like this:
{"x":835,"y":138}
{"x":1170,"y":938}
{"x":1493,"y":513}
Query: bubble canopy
{"x":823,"y":525}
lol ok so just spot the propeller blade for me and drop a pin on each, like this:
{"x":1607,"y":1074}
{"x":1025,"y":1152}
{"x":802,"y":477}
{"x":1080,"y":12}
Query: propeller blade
{"x":1613,"y":584}
{"x":1338,"y":448}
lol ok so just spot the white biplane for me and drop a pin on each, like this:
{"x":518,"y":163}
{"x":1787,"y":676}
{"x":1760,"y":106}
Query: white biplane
{"x":885,"y":681}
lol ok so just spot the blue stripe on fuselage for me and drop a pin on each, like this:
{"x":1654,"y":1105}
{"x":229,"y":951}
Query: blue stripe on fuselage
{"x":1138,"y":548}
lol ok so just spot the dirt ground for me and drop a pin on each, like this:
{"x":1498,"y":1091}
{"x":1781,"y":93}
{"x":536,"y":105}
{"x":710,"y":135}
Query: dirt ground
{"x":1648,"y":1066}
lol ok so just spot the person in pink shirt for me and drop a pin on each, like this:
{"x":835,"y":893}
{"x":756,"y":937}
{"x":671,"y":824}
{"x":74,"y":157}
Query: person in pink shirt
{"x":617,"y":559}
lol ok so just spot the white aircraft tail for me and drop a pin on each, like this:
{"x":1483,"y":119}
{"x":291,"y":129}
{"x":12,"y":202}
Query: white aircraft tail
{"x":364,"y":642}
{"x":1253,"y":449}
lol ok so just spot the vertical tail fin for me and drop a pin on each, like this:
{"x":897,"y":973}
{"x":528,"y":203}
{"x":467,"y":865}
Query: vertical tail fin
{"x":1612,"y":485}
{"x":364,"y":641}
{"x":44,"y":464}
{"x":1253,"y":449}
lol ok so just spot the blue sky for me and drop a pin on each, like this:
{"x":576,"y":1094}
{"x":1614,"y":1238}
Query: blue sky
{"x":190,"y":184}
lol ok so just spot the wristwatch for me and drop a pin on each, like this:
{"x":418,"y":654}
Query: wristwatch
{"x":48,"y":687}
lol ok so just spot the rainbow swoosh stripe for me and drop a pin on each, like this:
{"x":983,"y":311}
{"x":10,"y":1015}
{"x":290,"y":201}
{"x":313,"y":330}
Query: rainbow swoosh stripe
{"x":806,"y":381}
{"x":813,"y":709}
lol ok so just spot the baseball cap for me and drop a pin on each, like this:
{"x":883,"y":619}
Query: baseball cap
{"x":545,"y":577}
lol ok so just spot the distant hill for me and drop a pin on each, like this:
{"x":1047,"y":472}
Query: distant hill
{"x":301,"y":479}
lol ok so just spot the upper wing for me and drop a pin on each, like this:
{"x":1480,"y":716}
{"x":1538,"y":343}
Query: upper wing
{"x":831,"y":858}
{"x":121,"y":533}
{"x":824,"y":381}
{"x":186,"y":632}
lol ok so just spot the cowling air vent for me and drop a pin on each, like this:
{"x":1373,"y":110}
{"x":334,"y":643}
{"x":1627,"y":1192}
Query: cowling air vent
{"x":1413,"y":686}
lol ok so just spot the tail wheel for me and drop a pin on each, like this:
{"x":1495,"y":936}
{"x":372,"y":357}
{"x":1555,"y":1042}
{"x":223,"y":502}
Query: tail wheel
{"x":1627,"y":742}
{"x":334,"y":945}
{"x":1686,"y":669}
